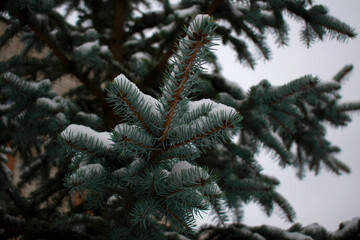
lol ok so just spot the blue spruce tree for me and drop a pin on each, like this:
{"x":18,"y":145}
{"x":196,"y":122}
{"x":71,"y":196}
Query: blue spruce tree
{"x":117,"y":157}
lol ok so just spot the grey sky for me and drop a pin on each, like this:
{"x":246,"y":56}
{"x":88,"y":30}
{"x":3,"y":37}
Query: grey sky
{"x":326,"y":198}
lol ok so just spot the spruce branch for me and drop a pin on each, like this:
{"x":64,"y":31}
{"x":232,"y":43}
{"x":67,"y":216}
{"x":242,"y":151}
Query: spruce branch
{"x":130,"y":103}
{"x":81,"y":149}
{"x":328,"y":87}
{"x":146,"y":173}
{"x":129,"y":138}
{"x":176,"y":217}
{"x":26,"y":88}
{"x":178,"y":190}
{"x":347,"y":107}
{"x":123,"y":97}
{"x":10,"y":33}
{"x":211,"y":132}
{"x":86,"y":140}
{"x":35,"y":27}
{"x":25,"y":18}
{"x":199,"y":41}
{"x":141,"y":136}
{"x":292,"y":88}
{"x":239,"y":45}
{"x":219,"y":211}
{"x":199,"y":35}
{"x":343,"y":73}
{"x":171,"y":49}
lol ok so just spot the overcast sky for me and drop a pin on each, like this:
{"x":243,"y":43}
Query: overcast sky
{"x":326,"y":199}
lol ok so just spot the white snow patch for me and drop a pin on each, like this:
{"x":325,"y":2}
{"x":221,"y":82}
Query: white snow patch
{"x":314,"y":227}
{"x":237,"y":12}
{"x":219,"y":107}
{"x":194,"y":105}
{"x":267,"y":15}
{"x":88,"y":46}
{"x":96,"y":167}
{"x":113,"y":198}
{"x":122,"y":80}
{"x":104,"y":49}
{"x":6,"y":107}
{"x":41,"y":17}
{"x":30,"y":85}
{"x":216,"y":107}
{"x":90,"y":116}
{"x":48,"y":104}
{"x":131,"y":42}
{"x":187,"y":12}
{"x":199,"y":18}
{"x":153,"y":103}
{"x":141,"y":56}
{"x":54,"y":31}
{"x":309,"y":112}
{"x":168,"y":28}
{"x":74,"y":130}
{"x":183,"y":165}
{"x":87,"y":23}
{"x":353,"y":225}
{"x":296,"y":236}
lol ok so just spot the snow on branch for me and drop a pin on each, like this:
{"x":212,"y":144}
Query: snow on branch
{"x":130,"y":103}
{"x":87,"y":140}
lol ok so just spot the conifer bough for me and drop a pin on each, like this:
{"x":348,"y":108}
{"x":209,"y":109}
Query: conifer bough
{"x":169,"y":154}
{"x":157,"y":146}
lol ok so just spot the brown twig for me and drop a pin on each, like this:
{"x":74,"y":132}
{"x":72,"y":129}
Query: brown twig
{"x":200,"y":136}
{"x":164,"y":150}
{"x":70,"y":144}
{"x":128,"y":140}
{"x":118,"y":29}
{"x":123,"y":98}
{"x":196,"y":46}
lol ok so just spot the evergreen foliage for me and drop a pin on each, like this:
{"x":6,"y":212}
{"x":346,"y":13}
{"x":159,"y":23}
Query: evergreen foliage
{"x":127,"y":159}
